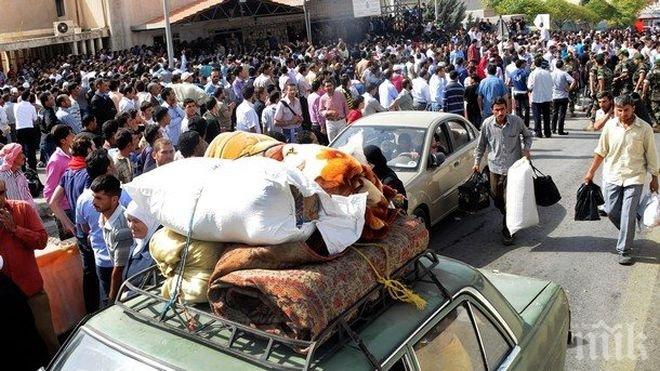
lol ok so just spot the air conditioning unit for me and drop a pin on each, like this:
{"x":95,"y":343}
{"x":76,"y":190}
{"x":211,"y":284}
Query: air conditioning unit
{"x":63,"y":28}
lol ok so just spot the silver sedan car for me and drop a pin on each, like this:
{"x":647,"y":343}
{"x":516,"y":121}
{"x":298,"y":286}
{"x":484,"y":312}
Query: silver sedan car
{"x":431,"y":152}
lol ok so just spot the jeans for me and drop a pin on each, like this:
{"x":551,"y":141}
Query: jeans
{"x":559,"y":114}
{"x":290,"y":134}
{"x":621,"y":206}
{"x":542,"y":111}
{"x":436,"y":107}
{"x":522,"y":107}
{"x":29,"y":140}
{"x":46,"y":149}
{"x":90,"y":280}
{"x":105,"y":276}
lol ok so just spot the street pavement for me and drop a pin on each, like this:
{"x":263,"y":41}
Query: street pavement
{"x":613,"y":307}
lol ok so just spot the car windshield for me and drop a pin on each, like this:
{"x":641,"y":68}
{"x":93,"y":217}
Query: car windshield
{"x":84,"y":352}
{"x":402,"y":146}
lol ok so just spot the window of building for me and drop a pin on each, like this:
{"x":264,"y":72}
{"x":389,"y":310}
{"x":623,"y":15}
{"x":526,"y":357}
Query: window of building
{"x":59,"y":7}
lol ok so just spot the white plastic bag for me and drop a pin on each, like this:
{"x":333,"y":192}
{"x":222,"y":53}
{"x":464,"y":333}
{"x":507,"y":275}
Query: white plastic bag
{"x":649,"y":210}
{"x":521,"y":211}
{"x":243,"y":201}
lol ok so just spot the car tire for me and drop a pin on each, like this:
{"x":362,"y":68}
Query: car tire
{"x":423,"y":214}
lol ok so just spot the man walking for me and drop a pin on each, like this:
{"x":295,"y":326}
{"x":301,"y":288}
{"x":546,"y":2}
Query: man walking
{"x":562,"y":84}
{"x":519,"y":90}
{"x":454,"y":95}
{"x":540,"y":85}
{"x":501,"y":136}
{"x":627,"y":148}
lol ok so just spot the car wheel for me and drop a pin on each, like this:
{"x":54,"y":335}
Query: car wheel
{"x":422,"y":214}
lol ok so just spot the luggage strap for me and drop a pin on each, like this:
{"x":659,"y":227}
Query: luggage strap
{"x":395,"y":288}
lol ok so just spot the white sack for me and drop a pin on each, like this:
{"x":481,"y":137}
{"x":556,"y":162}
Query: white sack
{"x":244,"y":201}
{"x":521,"y":211}
{"x":651,"y":211}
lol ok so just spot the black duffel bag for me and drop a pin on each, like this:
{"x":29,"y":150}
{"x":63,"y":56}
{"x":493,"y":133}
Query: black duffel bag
{"x":545,"y":189}
{"x":474,"y":194}
{"x":589,"y":197}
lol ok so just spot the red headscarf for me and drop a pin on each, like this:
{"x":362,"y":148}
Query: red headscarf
{"x":9,"y":154}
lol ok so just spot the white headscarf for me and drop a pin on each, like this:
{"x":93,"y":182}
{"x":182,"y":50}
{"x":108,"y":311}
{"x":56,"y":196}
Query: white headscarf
{"x":151,"y":223}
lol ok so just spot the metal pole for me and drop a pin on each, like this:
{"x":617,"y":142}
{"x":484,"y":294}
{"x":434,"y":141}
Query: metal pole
{"x":437,"y":11}
{"x":168,"y":34}
{"x":308,"y":23}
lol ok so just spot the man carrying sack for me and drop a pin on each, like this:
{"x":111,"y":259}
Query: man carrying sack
{"x":627,"y":148}
{"x":500,"y":134}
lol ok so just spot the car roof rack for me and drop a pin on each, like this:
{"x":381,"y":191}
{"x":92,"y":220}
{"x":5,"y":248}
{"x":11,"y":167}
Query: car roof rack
{"x":140,"y":297}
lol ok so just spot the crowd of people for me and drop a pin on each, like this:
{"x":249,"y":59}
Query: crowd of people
{"x":95,"y":122}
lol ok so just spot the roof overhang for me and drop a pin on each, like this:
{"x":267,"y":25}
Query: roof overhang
{"x":206,"y":10}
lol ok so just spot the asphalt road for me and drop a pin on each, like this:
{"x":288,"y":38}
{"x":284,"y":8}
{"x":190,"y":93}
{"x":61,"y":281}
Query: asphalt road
{"x":614,"y":318}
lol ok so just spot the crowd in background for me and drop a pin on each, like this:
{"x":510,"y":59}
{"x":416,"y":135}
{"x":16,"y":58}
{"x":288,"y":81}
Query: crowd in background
{"x":94,"y":122}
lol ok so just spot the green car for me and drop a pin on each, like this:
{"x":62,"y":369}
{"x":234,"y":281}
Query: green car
{"x":473,"y":320}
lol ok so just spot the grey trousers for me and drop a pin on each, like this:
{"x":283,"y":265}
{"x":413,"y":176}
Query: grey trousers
{"x":621,"y":206}
{"x":333,"y":128}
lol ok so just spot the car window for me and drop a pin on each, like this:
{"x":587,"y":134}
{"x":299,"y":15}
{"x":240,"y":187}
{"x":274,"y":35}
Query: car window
{"x":401,"y":146}
{"x":440,"y":142}
{"x":450,"y":345}
{"x":400,"y":365}
{"x":459,"y":134}
{"x":495,"y":345}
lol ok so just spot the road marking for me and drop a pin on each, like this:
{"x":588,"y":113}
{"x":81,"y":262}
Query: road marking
{"x":634,"y":310}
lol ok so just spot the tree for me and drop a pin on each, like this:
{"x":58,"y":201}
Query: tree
{"x":562,"y":12}
{"x":628,"y":10}
{"x":451,"y":13}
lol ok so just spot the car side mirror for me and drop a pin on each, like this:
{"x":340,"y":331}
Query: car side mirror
{"x":436,"y":159}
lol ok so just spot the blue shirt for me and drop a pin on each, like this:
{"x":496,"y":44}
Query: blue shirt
{"x":86,"y":215}
{"x":490,"y":88}
{"x":519,"y":80}
{"x":74,"y":183}
{"x":173,"y":130}
{"x":454,"y":100}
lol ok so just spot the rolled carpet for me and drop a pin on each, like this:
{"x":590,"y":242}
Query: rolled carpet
{"x":301,"y":302}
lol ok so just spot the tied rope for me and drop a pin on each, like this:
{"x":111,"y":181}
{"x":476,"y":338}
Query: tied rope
{"x":182,"y":263}
{"x":395,"y":288}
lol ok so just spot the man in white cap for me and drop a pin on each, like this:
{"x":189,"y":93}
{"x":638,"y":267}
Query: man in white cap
{"x":190,"y":90}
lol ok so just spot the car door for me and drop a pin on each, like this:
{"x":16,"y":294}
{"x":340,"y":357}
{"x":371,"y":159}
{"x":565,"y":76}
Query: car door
{"x":464,"y":337}
{"x":463,"y":142}
{"x":439,"y":187}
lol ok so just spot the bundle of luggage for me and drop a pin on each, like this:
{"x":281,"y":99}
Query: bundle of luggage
{"x":285,"y":240}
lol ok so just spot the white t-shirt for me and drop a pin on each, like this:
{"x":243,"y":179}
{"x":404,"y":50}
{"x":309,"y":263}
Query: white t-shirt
{"x":25,"y":115}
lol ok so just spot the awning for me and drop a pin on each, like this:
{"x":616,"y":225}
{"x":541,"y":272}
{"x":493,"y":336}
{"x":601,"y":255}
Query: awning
{"x":219,"y":9}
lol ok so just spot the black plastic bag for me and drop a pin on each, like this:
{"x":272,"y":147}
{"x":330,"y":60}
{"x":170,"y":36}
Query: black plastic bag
{"x":35,"y":185}
{"x":474,"y":194}
{"x":589,"y":197}
{"x":545,"y":189}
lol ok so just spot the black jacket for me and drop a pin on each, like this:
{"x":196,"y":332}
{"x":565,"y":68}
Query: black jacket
{"x":103,"y":108}
{"x":49,"y":120}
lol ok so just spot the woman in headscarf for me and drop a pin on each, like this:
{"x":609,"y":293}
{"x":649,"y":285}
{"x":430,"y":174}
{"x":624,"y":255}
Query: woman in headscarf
{"x":386,"y":175}
{"x":10,"y":171}
{"x":142,"y":226}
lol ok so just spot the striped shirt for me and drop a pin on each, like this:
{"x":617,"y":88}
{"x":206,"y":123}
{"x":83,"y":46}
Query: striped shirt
{"x":454,"y":98}
{"x":17,"y":186}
